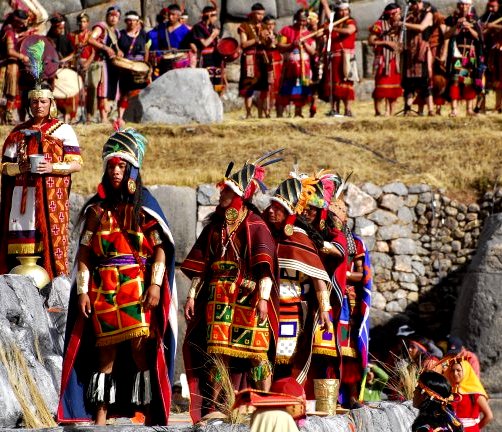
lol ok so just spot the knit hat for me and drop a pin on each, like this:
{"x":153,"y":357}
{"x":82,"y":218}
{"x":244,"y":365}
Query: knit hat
{"x":128,"y":145}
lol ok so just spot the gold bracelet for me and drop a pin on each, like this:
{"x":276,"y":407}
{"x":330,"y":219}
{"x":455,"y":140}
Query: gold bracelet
{"x":61,"y":168}
{"x":323,"y":299}
{"x":83,"y":278}
{"x":192,"y":292}
{"x":11,"y":169}
{"x":265,"y":288}
{"x":158,"y":270}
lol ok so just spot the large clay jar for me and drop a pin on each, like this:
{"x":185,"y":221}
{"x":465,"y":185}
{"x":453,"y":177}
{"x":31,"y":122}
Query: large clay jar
{"x":29,"y":267}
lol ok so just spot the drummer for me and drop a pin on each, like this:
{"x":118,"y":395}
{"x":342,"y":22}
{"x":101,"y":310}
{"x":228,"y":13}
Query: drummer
{"x":11,"y":58}
{"x":204,"y":40}
{"x":171,"y":35}
{"x":104,"y":38}
{"x":135,"y":44}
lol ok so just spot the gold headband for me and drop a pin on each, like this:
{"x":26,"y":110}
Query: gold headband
{"x":433,"y":395}
{"x":40,"y":94}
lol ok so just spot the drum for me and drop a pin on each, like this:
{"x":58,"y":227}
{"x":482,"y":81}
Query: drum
{"x":67,"y":84}
{"x":177,"y":60}
{"x":50,"y":55}
{"x":138,"y":69}
{"x":229,"y":49}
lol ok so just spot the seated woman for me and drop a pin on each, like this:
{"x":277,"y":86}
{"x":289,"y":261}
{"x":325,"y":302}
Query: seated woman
{"x":433,"y":399}
{"x":474,"y":400}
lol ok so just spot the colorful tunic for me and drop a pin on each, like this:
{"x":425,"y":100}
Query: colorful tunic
{"x":467,"y":411}
{"x":35,"y":208}
{"x":296,"y":72}
{"x":117,"y":282}
{"x":226,"y":320}
{"x":339,"y":81}
{"x":417,"y":58}
{"x":274,"y":71}
{"x":254,"y":76}
{"x":464,"y":61}
{"x":209,"y":57}
{"x":134,"y":48}
{"x":387,"y":63}
{"x":299,"y":263}
{"x":9,"y":68}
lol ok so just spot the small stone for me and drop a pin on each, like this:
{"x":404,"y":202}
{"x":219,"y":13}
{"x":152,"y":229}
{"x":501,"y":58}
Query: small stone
{"x":381,"y":259}
{"x":388,"y":295}
{"x":381,"y":246}
{"x":402,"y":302}
{"x":400,"y":293}
{"x":462,"y":208}
{"x":403,"y":246}
{"x":451,"y":223}
{"x":472,"y":225}
{"x":418,"y":188}
{"x":391,"y":202}
{"x":456,"y":246}
{"x":360,"y":203}
{"x":413,"y":297}
{"x":461,"y":217}
{"x":383,"y":217}
{"x":411,"y":201}
{"x":425,"y":197}
{"x":402,"y":263}
{"x":409,"y":286}
{"x":446,"y":248}
{"x":404,"y":277}
{"x":471,"y":216}
{"x":396,"y":188}
{"x":369,"y":242}
{"x":364,"y":227}
{"x":405,"y":215}
{"x":425,"y":238}
{"x":389,"y":286}
{"x":372,"y":190}
{"x":418,"y":268}
{"x":451,"y":211}
{"x":423,"y":281}
{"x":461,"y":260}
{"x":422,"y":220}
{"x":420,"y":209}
{"x":378,"y":300}
{"x":394,"y":232}
{"x":473,"y":208}
{"x":394,"y":306}
{"x":446,"y":200}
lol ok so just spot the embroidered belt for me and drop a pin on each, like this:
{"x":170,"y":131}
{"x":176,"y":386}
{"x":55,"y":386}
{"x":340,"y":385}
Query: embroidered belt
{"x":120,"y":261}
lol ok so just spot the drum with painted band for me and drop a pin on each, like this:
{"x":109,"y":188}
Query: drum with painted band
{"x":229,"y":49}
{"x":67,"y":84}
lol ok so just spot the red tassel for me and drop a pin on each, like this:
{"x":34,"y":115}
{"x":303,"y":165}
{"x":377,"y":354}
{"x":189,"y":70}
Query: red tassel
{"x":101,"y":191}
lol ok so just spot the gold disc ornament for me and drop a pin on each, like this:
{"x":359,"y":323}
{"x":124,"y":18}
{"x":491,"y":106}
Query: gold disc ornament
{"x":231,"y":215}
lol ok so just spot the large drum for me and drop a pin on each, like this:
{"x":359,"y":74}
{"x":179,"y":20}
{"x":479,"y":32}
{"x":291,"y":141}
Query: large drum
{"x":67,"y":84}
{"x":177,"y":59}
{"x":229,"y":49}
{"x":138,"y":69}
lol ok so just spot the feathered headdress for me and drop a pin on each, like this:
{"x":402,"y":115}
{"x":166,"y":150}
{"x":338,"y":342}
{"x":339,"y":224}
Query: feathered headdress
{"x":245,"y":181}
{"x":35,"y":53}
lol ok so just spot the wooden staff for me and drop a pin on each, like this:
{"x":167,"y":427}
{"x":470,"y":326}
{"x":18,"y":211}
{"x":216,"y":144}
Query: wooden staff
{"x":496,"y":21}
{"x":321,"y":30}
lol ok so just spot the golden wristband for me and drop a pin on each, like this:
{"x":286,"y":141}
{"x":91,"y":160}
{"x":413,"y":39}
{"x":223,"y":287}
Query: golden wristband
{"x":158,"y":270}
{"x":61,"y":168}
{"x":192,"y":292}
{"x":11,"y":169}
{"x":83,"y":278}
{"x":323,"y":299}
{"x":265,"y":288}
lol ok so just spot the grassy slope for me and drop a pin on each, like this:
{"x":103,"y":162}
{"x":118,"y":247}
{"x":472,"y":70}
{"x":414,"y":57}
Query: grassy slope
{"x":463,"y":155}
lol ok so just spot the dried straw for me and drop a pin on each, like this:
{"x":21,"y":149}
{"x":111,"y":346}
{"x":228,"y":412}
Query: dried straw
{"x":36,"y":414}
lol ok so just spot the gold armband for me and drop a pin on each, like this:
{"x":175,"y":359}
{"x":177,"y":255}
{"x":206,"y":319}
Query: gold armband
{"x":192,"y":292}
{"x":61,"y":168}
{"x":11,"y":169}
{"x":158,"y":270}
{"x":86,"y":238}
{"x":265,"y":288}
{"x":83,"y":282}
{"x":323,"y":299}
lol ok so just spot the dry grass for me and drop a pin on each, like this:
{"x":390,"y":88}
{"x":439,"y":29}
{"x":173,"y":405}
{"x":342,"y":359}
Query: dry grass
{"x":36,"y":414}
{"x":461,"y":155}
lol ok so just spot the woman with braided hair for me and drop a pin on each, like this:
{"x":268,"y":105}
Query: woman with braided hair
{"x":432,"y":397}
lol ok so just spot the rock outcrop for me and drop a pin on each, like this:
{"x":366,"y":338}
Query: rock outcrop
{"x":478,"y":315}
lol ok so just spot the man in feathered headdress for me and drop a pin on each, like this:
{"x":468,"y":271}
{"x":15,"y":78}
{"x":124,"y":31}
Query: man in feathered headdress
{"x":34,"y":212}
{"x":303,"y":278}
{"x":232,"y":305}
{"x":121,"y":329}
